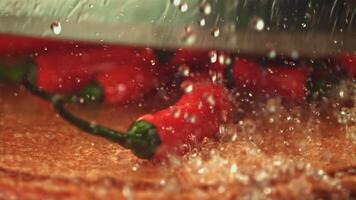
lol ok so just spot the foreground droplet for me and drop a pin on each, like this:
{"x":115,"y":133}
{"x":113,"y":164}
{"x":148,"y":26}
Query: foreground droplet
{"x":56,"y":28}
{"x":183,"y":7}
{"x":215,"y":32}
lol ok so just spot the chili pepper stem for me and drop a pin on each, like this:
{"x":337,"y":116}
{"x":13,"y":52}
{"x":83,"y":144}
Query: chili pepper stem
{"x":58,"y":104}
{"x":32,"y":88}
{"x":141,"y":138}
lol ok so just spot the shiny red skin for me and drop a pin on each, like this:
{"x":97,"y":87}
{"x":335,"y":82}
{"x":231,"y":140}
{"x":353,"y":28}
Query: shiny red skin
{"x":68,"y":72}
{"x":11,"y":45}
{"x":289,"y":83}
{"x":190,"y":57}
{"x":128,"y":82}
{"x":196,"y":115}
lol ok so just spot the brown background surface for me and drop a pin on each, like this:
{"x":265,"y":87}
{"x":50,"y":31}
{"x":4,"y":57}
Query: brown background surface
{"x":43,"y":157}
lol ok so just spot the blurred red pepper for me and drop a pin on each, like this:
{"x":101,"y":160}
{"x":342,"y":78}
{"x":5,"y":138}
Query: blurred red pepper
{"x":348,"y":63}
{"x":69,"y":72}
{"x":286,"y":82}
{"x":196,"y":115}
{"x":11,"y":45}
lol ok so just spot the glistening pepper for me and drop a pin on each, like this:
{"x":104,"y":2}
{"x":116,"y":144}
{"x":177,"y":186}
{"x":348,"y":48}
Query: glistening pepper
{"x":70,"y":71}
{"x":116,"y":74}
{"x":293,"y":84}
{"x":196,"y":115}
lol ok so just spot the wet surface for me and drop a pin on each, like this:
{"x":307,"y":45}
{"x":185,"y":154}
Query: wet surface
{"x":280,"y":154}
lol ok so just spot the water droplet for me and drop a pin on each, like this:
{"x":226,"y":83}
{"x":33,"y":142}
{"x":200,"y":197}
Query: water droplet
{"x":222,"y":59}
{"x":135,"y":167}
{"x":189,"y":38}
{"x":295,"y":54}
{"x":121,"y":88}
{"x":127,"y":192}
{"x":210,"y":99}
{"x":233,"y":168}
{"x":188,"y":87}
{"x":215,"y":32}
{"x":176,"y":2}
{"x":175,"y":112}
{"x":205,"y":8}
{"x":272,"y":54}
{"x":184,"y":70}
{"x":257,"y":23}
{"x":183,"y":7}
{"x":202,"y":21}
{"x":56,"y":28}
{"x":213,"y":56}
{"x":190,"y":118}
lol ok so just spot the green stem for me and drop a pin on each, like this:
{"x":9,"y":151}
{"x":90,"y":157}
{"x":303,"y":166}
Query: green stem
{"x":58,"y":102}
{"x":32,"y":88}
{"x":142,"y":137}
{"x":92,"y":128}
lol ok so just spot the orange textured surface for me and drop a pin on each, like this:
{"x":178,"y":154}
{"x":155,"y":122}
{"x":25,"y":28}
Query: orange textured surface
{"x":290,"y":156}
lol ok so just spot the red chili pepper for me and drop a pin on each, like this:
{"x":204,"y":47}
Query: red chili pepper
{"x":191,"y":57}
{"x":11,"y":45}
{"x":128,"y":82}
{"x":348,"y":63}
{"x":196,"y":115}
{"x":285,"y":82}
{"x":70,"y":71}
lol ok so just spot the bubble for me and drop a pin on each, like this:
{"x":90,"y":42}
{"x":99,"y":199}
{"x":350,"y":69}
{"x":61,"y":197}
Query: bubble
{"x":56,"y":28}
{"x":183,"y":7}
{"x":215,"y":32}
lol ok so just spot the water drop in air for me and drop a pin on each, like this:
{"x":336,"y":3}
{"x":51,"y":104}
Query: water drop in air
{"x":184,"y":70}
{"x":202,"y":22}
{"x":257,"y":23}
{"x":176,"y":2}
{"x":213,"y":56}
{"x":215,"y":32}
{"x":56,"y":27}
{"x":183,"y":7}
{"x":205,"y":8}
